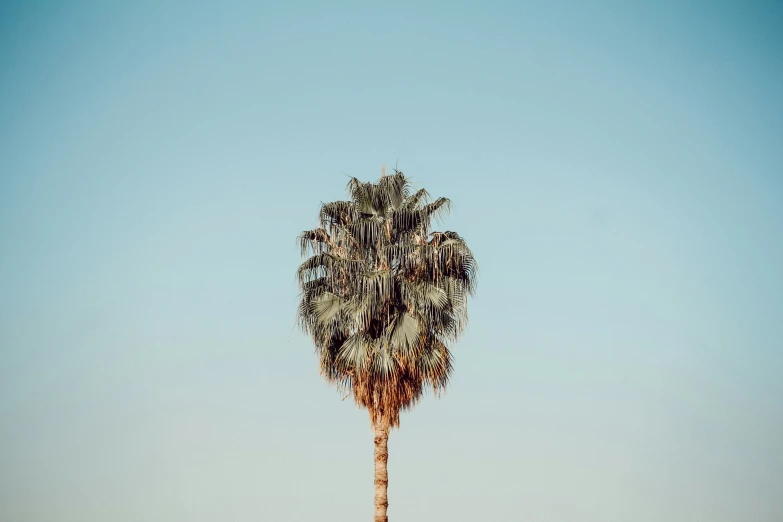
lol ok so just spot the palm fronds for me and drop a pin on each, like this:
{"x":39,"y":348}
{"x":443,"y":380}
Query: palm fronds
{"x":382,"y":295}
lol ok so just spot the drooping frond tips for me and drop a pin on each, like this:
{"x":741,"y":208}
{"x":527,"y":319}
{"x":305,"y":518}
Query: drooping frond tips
{"x":438,"y":209}
{"x":314,"y":241}
{"x":418,"y":198}
{"x":337,"y":213}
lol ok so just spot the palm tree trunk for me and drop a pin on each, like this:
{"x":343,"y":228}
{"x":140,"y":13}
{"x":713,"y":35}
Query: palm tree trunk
{"x":381,"y":475}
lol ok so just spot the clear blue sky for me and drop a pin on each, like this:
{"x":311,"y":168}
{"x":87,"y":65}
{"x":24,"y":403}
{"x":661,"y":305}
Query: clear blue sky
{"x":616,"y":167}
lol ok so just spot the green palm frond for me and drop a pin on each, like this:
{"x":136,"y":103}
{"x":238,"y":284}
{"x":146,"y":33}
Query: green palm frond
{"x":355,"y":353}
{"x":404,"y":333}
{"x":326,"y":307}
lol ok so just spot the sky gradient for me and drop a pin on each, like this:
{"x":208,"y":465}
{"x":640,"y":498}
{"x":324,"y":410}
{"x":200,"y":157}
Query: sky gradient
{"x":617,"y":170}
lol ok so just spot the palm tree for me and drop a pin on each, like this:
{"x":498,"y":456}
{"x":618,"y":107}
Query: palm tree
{"x":382,"y":297}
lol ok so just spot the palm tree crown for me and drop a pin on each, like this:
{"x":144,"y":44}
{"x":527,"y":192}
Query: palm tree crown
{"x":383,"y":296}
